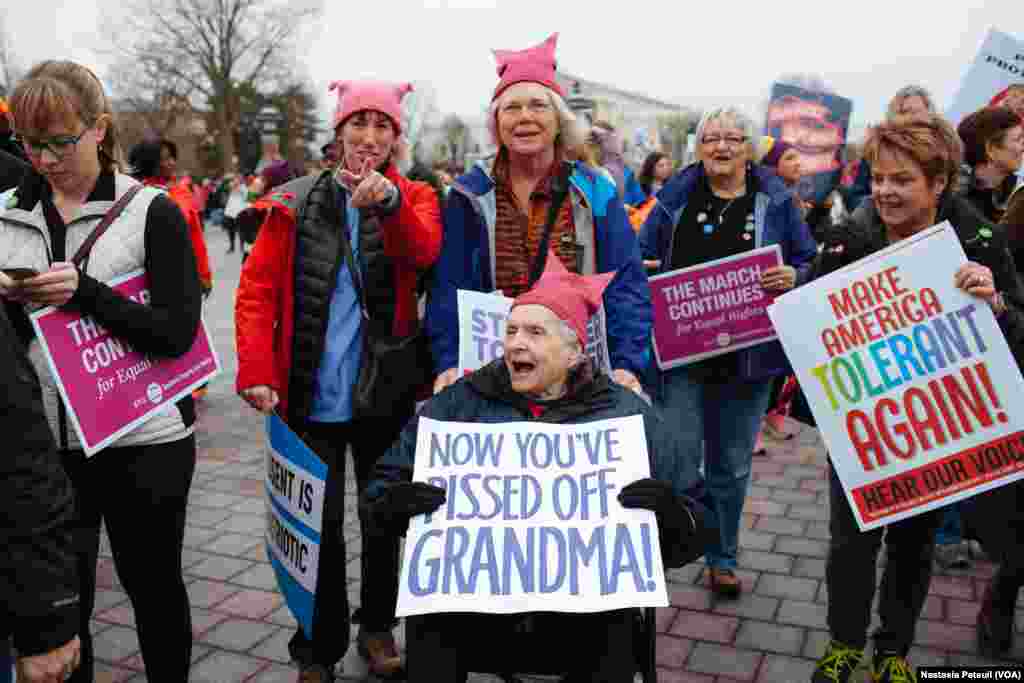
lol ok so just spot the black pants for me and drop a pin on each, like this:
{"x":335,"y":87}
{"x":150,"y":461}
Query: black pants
{"x":141,"y":494}
{"x":850,"y":573}
{"x":231,"y":227}
{"x":378,"y":593}
{"x":597,"y":648}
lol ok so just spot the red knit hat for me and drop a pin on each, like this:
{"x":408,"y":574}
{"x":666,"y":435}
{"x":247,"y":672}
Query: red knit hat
{"x":379,"y":96}
{"x":573,"y":298}
{"x":533,"y":65}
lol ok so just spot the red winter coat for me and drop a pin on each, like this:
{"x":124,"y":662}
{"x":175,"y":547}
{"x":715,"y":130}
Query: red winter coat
{"x":265,"y":303}
{"x":181,"y":193}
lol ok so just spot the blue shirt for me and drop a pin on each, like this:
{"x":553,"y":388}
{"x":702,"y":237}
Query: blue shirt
{"x":339,"y":366}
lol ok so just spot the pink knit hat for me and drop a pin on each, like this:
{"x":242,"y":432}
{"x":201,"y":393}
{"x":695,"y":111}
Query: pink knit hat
{"x":533,"y":65}
{"x":573,"y":298}
{"x":379,"y":96}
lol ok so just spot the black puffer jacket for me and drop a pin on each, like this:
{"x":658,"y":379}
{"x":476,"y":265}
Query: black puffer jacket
{"x":487,"y":397}
{"x":38,"y":580}
{"x":863,"y":234}
{"x":319,"y":254}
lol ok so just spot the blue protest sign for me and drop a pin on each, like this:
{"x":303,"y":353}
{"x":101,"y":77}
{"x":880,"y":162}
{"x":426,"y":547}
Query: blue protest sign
{"x":295,"y":483}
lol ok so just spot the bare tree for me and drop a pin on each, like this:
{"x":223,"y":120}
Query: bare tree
{"x":674,"y":129}
{"x":419,"y":113}
{"x":456,"y":133}
{"x":202,"y":51}
{"x":10,"y":69}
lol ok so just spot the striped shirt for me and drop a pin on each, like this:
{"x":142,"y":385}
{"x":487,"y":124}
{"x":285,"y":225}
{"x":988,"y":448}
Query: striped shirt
{"x":518,"y":235}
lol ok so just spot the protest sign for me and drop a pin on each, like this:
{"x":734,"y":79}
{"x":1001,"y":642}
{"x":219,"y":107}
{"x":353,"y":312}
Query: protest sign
{"x":909,"y":378}
{"x":296,"y":479}
{"x":998,"y":66}
{"x":816,"y":124}
{"x":712,"y":308}
{"x":532,"y":520}
{"x":108,"y":388}
{"x":482,"y":331}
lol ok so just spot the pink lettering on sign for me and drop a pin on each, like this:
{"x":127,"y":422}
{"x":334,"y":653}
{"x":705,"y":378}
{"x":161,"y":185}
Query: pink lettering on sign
{"x":108,"y":387}
{"x":712,"y":308}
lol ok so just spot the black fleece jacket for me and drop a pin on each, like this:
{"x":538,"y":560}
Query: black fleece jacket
{"x":38,"y":580}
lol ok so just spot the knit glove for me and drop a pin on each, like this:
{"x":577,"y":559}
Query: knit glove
{"x":682,"y":532}
{"x":390,"y":512}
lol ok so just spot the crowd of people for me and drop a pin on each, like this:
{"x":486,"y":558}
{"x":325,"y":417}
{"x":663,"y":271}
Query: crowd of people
{"x":359,"y":264}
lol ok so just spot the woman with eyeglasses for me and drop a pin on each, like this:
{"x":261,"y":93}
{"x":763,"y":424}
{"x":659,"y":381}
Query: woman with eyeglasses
{"x":138,"y":486}
{"x":500,"y":213}
{"x":723,"y":206}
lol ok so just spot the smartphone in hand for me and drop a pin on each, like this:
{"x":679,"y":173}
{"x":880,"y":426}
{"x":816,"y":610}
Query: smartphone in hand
{"x":17,"y":274}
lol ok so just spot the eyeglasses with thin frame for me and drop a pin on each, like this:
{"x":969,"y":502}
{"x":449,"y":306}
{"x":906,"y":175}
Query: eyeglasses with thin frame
{"x":517,"y":108}
{"x":730,"y":140}
{"x":59,"y":146}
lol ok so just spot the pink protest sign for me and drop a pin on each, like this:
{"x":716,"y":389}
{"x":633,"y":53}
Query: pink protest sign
{"x":108,"y":388}
{"x":712,"y":308}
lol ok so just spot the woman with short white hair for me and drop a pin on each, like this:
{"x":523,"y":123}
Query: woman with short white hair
{"x":910,"y":100}
{"x":506,"y":214}
{"x":722,"y":206}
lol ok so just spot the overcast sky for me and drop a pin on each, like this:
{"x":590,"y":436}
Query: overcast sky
{"x":692,"y":53}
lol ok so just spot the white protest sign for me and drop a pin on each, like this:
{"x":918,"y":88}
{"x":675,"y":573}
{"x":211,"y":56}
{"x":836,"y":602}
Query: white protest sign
{"x":910,"y":379}
{"x":532,"y":521}
{"x":482,"y":332}
{"x":295,"y":484}
{"x":998,"y":65}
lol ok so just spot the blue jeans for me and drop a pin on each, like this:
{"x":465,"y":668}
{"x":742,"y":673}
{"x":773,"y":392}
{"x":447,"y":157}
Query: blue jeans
{"x":949,"y":530}
{"x":724,"y":419}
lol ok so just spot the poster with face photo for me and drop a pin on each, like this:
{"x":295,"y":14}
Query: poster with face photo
{"x":816,"y":124}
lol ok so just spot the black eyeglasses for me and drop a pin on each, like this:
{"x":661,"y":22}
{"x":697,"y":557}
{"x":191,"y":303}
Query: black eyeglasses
{"x":59,"y":146}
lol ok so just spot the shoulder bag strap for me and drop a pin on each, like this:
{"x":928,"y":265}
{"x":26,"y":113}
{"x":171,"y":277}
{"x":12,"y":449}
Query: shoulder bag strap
{"x":560,"y":185}
{"x":82,"y":255}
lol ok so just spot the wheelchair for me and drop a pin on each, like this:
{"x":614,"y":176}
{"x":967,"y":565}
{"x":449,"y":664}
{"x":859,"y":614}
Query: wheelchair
{"x":534,"y":661}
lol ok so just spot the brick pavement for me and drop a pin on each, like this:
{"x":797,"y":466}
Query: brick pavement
{"x":772,"y":634}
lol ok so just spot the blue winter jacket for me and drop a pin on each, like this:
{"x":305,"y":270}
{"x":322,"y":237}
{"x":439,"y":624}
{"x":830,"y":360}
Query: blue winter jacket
{"x":609,"y":245}
{"x":632,"y":194}
{"x":777,"y":220}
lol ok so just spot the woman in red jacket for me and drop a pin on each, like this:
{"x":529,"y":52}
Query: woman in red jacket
{"x":300,"y":330}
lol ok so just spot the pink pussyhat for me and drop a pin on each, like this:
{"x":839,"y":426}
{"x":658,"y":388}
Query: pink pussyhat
{"x":379,"y":96}
{"x":573,"y":298}
{"x":533,"y":65}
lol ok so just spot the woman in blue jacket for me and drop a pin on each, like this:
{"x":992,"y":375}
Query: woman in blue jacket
{"x":722,"y":206}
{"x":497,"y":215}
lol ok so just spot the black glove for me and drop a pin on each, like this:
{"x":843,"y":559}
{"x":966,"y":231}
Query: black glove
{"x":391,"y":511}
{"x":681,"y":529}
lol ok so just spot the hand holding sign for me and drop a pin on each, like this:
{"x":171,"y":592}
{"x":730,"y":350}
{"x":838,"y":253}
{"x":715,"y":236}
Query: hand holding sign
{"x":369,"y":188}
{"x":677,"y":525}
{"x":779,"y":278}
{"x":402,"y":501}
{"x":446,"y":379}
{"x":262,"y":398}
{"x":977,"y":281}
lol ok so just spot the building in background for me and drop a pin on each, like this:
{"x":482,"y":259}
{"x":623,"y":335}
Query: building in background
{"x":645,"y":123}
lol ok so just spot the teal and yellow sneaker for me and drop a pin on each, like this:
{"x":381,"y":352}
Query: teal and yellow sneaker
{"x":837,"y":664}
{"x":890,"y":667}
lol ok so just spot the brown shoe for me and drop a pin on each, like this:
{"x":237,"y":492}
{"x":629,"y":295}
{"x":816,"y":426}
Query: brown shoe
{"x":724,"y":583}
{"x":381,"y":653}
{"x":314,"y":674}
